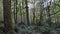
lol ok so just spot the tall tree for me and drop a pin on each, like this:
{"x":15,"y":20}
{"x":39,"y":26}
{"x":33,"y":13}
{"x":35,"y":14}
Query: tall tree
{"x":16,"y":11}
{"x":34,"y":12}
{"x":7,"y":16}
{"x":48,"y":15}
{"x":41,"y":12}
{"x":27,"y":13}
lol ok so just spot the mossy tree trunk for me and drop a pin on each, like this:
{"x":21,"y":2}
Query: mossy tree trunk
{"x":7,"y":16}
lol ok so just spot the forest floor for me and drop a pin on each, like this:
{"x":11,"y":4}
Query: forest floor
{"x":34,"y":29}
{"x":43,"y":29}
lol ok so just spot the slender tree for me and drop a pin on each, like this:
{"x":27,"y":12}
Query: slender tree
{"x":21,"y":11}
{"x":41,"y":12}
{"x":34,"y":12}
{"x":48,"y":15}
{"x":27,"y":13}
{"x":16,"y":11}
{"x":7,"y":16}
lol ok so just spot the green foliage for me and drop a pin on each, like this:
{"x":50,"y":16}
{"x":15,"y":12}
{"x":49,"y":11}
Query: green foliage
{"x":33,"y":29}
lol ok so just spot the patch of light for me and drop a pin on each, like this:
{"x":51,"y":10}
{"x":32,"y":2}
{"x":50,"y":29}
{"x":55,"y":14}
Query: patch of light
{"x":47,"y":3}
{"x":30,"y":5}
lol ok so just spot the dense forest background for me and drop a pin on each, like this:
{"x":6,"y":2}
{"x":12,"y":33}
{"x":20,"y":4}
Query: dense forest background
{"x":29,"y":16}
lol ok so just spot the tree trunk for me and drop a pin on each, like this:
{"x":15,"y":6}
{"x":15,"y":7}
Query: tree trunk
{"x":7,"y":16}
{"x":16,"y":11}
{"x":27,"y":13}
{"x":41,"y":13}
{"x":34,"y":12}
{"x":48,"y":15}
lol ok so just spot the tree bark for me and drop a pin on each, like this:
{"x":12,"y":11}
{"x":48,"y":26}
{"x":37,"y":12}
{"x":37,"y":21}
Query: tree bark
{"x":7,"y":16}
{"x":16,"y":12}
{"x":27,"y":13}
